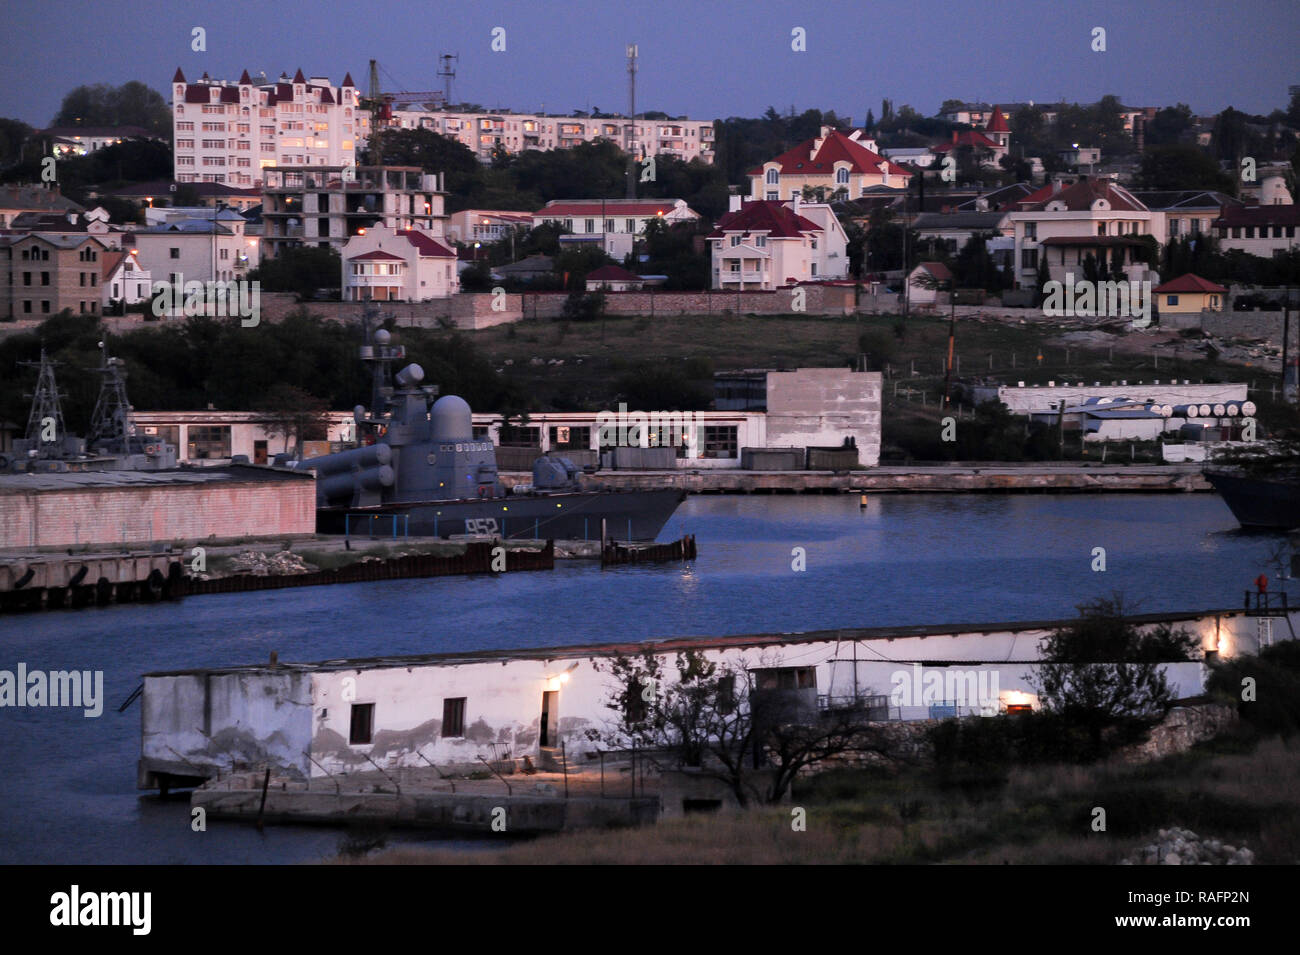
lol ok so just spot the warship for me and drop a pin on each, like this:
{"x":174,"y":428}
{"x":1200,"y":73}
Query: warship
{"x":421,"y":471}
{"x":112,"y":443}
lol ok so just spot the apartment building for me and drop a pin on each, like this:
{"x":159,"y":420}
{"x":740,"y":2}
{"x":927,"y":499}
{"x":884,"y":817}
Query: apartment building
{"x":43,"y":273}
{"x":229,"y":132}
{"x":327,"y":205}
{"x":484,"y":133}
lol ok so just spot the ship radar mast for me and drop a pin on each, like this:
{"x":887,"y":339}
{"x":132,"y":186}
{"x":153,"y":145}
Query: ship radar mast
{"x":110,"y":425}
{"x":46,"y":408}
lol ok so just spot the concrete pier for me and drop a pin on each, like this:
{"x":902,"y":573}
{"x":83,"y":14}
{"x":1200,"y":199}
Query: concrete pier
{"x":958,"y":478}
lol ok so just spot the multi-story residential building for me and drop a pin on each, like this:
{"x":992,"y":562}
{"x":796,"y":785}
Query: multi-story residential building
{"x":1258,"y":230}
{"x":1064,"y":224}
{"x":1183,"y":213}
{"x":484,"y":133}
{"x":485,"y":225}
{"x":326,"y":205}
{"x":766,"y":244}
{"x":834,"y":164}
{"x":614,"y":224}
{"x":226,"y":132}
{"x":211,"y":249}
{"x":405,"y":265}
{"x":43,"y":273}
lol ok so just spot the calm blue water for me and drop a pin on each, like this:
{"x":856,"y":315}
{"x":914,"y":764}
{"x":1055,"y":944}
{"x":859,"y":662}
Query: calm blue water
{"x":67,"y":783}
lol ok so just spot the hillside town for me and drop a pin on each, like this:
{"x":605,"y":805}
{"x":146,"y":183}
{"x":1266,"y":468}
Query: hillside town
{"x":922,"y":480}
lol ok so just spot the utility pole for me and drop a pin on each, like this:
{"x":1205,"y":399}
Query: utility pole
{"x":1288,"y":388}
{"x":952,"y":334}
{"x":631,"y":120}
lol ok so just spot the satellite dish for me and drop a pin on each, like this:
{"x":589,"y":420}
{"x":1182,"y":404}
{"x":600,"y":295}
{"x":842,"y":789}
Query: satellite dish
{"x":382,"y":337}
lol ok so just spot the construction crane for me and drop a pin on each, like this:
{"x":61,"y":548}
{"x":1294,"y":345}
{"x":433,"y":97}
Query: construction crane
{"x":381,"y":104}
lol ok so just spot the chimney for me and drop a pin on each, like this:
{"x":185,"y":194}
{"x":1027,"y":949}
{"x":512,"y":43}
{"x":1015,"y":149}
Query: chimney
{"x":72,"y":218}
{"x":795,"y":204}
{"x":734,"y":203}
{"x":1056,"y":185}
{"x":954,"y":137}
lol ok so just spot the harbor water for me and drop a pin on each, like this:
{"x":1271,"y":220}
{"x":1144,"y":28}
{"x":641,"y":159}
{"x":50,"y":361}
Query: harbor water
{"x":67,"y":789}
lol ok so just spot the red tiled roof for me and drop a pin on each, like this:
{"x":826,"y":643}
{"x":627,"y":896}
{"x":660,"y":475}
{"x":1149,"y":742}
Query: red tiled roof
{"x":998,"y":122}
{"x":969,"y":137}
{"x":377,"y":254}
{"x":775,"y":218}
{"x":109,"y":262}
{"x":347,"y":79}
{"x":1080,"y":197}
{"x":587,"y":207}
{"x":179,"y":77}
{"x":428,"y":247}
{"x":229,"y":94}
{"x":1259,"y":215}
{"x":836,"y":147}
{"x":197,"y":93}
{"x":245,"y":79}
{"x":937,"y":269}
{"x":613,"y":273}
{"x":1190,"y":283}
{"x":298,"y":77}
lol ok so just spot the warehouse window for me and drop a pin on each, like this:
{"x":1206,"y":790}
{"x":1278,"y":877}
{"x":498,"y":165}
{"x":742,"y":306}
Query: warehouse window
{"x":209,"y":441}
{"x":570,"y":437}
{"x":453,"y":716}
{"x":720,"y":441}
{"x":519,"y":436}
{"x":363,"y":723}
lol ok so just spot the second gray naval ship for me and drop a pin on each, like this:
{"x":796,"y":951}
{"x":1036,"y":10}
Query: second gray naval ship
{"x":423,"y":472}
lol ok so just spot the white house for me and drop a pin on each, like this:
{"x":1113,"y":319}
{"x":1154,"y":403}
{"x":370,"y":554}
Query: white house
{"x":767,"y":244}
{"x":407,"y":265}
{"x":214,"y":248}
{"x":612,"y":224}
{"x":1259,"y":230}
{"x":926,"y":281}
{"x":1064,"y":224}
{"x":124,"y":279}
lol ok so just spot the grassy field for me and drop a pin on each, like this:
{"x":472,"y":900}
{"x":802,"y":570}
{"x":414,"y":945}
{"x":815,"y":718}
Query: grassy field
{"x":585,"y":366}
{"x":1230,"y":789}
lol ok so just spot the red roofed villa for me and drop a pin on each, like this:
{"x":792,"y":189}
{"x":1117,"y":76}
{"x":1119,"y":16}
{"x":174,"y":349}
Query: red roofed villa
{"x":834,"y":162}
{"x":404,"y":265}
{"x":1190,"y":293}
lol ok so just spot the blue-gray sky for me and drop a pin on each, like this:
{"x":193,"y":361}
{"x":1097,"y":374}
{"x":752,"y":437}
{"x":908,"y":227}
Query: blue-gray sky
{"x":702,"y":58}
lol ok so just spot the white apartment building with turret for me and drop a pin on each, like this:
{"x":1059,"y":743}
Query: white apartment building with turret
{"x":228,"y":132}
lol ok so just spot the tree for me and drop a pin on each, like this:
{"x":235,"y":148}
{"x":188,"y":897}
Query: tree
{"x":715,"y":719}
{"x":131,"y":104}
{"x":1105,"y":674}
{"x":1182,"y":166}
{"x":1167,"y":126}
{"x":302,"y":270}
{"x":292,"y":412}
{"x":13,"y":136}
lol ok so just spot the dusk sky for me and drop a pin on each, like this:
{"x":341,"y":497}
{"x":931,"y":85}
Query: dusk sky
{"x":701,"y":58}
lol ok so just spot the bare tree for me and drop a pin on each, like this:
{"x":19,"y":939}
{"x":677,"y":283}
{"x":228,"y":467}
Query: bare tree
{"x":714,"y":719}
